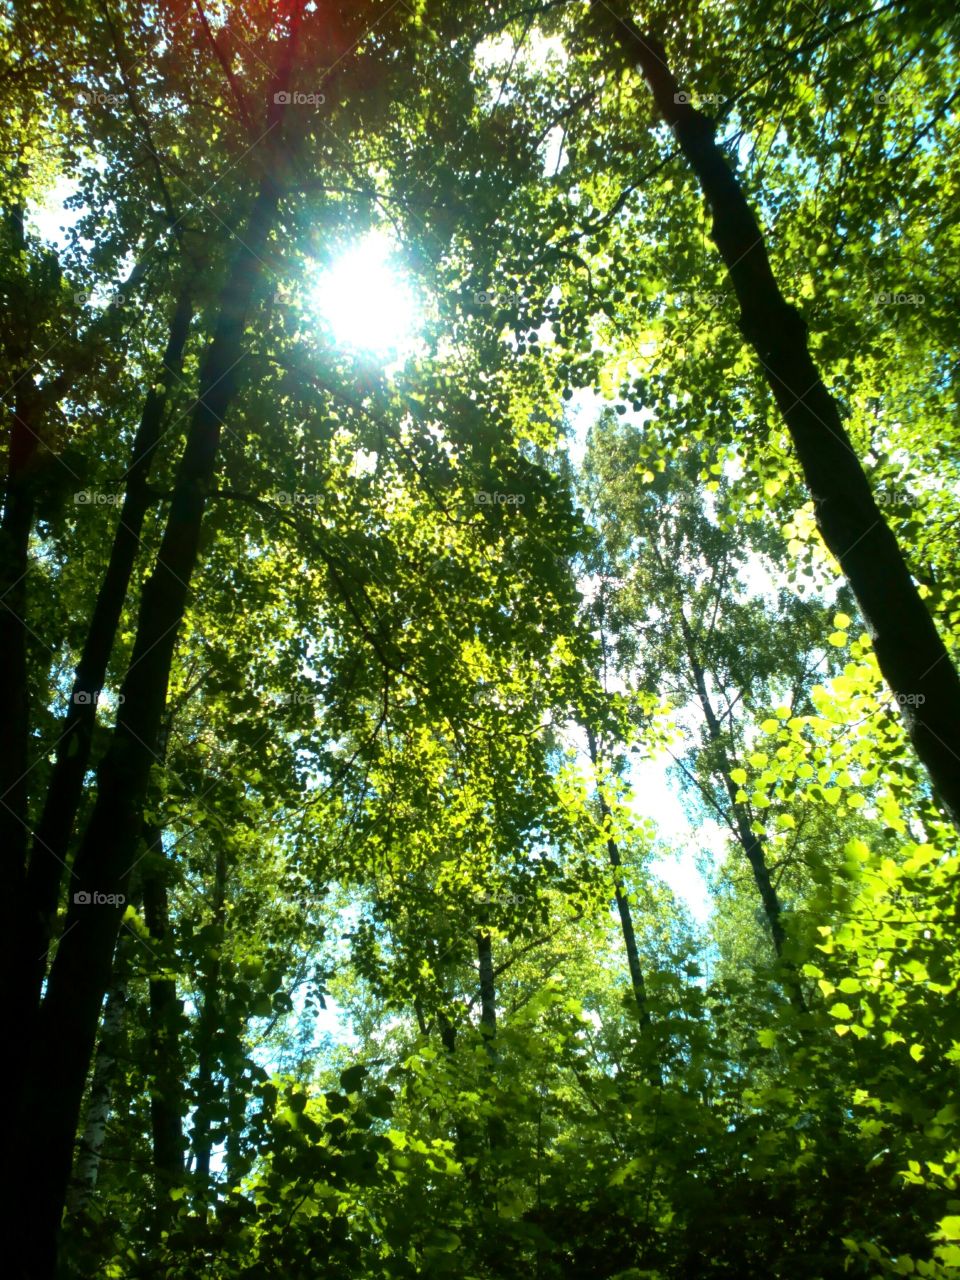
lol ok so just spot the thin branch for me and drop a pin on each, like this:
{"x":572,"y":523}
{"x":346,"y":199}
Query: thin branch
{"x":228,"y":72}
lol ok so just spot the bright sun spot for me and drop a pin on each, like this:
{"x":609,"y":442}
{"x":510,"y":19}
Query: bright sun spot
{"x":365,"y":299}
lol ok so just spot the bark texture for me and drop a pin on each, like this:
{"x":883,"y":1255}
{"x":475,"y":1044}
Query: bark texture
{"x":909,"y":649}
{"x":209,"y":1022}
{"x":623,"y":906}
{"x":48,"y":860}
{"x":16,"y":522}
{"x":61,"y":1052}
{"x":488,"y":992}
{"x":167,"y":1101}
{"x":750,"y":842}
{"x":87,"y":1168}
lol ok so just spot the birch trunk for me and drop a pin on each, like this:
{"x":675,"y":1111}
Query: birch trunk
{"x":910,"y":652}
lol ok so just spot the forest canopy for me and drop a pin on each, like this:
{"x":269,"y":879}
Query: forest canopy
{"x":480,"y":726}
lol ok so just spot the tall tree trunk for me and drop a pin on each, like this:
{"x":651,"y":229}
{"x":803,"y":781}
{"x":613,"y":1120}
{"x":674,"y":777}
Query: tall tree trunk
{"x":167,"y":1095}
{"x":87,"y":1167}
{"x":80,"y":972}
{"x":167,"y":1102}
{"x":496,"y":1130}
{"x":653,"y":1070}
{"x":24,"y":942}
{"x":750,"y":842}
{"x":623,"y":905}
{"x":488,"y":991}
{"x":236,"y":1121}
{"x":15,"y":525}
{"x":208,"y":1028}
{"x":52,"y":837}
{"x":909,"y":650}
{"x":448,"y":1032}
{"x":31,"y":404}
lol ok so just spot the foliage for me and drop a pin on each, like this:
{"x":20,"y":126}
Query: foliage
{"x":373,"y":975}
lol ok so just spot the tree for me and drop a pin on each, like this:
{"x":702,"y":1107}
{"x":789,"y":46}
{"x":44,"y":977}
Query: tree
{"x":366,"y":648}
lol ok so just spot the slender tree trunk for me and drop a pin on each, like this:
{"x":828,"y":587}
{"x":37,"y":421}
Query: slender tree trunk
{"x":15,"y":525}
{"x":15,"y":529}
{"x":752,"y":844}
{"x":24,"y":939}
{"x":208,"y":1028}
{"x":623,"y":905}
{"x":31,"y":404}
{"x":488,"y":993}
{"x":167,"y":1102}
{"x":236,"y":1121}
{"x":80,"y":972}
{"x":87,"y":1167}
{"x":448,"y":1032}
{"x":653,"y":1070}
{"x":496,"y":1130}
{"x":52,"y":836}
{"x":909,"y":650}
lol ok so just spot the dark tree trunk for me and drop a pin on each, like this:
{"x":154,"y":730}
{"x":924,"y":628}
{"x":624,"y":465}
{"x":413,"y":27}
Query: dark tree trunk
{"x":15,"y":529}
{"x":448,"y":1032}
{"x":623,"y":906}
{"x":80,"y":973}
{"x":52,"y":837}
{"x":751,"y":843}
{"x":208,"y":1027}
{"x":652,"y":1067}
{"x":488,"y":992}
{"x":909,"y":650}
{"x":87,"y":1167}
{"x":15,"y":525}
{"x":24,"y":937}
{"x":496,"y":1129}
{"x":167,"y":1102}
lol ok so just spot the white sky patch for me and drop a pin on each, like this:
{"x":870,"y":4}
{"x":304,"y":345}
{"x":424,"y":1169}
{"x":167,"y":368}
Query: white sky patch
{"x":654,"y":795}
{"x":364,"y":463}
{"x":555,"y":155}
{"x":50,"y":219}
{"x":537,"y":51}
{"x":582,"y":412}
{"x":333,"y":1022}
{"x":756,"y":579}
{"x":365,"y":300}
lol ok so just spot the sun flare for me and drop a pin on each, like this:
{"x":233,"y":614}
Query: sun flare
{"x":365,"y":300}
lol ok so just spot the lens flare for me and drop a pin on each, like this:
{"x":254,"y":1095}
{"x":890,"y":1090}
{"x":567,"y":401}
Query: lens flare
{"x":365,"y":300}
